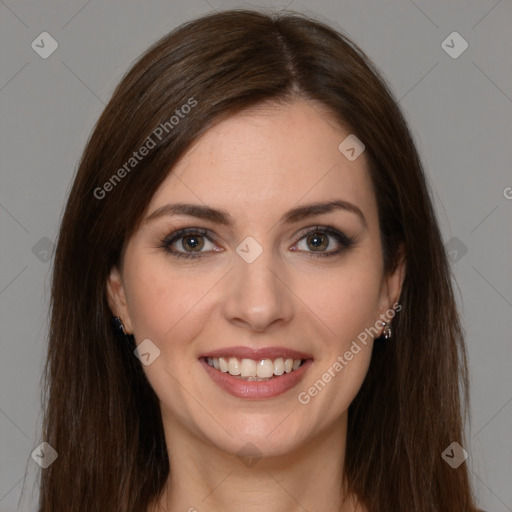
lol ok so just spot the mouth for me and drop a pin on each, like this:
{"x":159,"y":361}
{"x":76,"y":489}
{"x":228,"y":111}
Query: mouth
{"x":253,"y":370}
{"x":256,"y":373}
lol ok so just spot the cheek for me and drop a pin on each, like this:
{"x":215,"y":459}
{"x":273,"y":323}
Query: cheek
{"x":152,"y":297}
{"x":348,"y":302}
{"x":163,"y":302}
{"x":348,"y":305}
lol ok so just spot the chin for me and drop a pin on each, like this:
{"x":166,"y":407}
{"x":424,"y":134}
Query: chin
{"x":258,"y":435}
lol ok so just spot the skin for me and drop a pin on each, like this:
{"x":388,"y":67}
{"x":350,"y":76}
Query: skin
{"x":257,"y":165}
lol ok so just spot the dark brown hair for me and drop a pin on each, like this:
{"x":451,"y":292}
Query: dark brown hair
{"x":102,"y":416}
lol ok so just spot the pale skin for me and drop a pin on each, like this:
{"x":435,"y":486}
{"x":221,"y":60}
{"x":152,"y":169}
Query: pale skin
{"x":257,"y":166}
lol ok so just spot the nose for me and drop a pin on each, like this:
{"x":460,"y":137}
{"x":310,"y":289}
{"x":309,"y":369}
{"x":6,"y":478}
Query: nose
{"x":257,"y":295}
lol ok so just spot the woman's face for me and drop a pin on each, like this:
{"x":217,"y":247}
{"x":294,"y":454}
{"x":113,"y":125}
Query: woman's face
{"x":253,"y":283}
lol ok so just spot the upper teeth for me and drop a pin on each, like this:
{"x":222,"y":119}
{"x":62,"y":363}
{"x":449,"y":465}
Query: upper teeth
{"x":262,"y":368}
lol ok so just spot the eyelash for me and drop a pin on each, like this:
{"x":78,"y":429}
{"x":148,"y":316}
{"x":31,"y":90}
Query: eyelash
{"x":345,"y":241}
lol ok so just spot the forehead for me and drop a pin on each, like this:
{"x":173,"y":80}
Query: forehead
{"x":266,"y":160}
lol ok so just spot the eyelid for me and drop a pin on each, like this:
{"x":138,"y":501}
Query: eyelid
{"x":344,"y":240}
{"x":176,"y":235}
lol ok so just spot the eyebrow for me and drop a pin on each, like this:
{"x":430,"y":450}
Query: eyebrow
{"x":222,"y":217}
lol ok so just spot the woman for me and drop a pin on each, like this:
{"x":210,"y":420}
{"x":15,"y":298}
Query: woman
{"x":252,"y":212}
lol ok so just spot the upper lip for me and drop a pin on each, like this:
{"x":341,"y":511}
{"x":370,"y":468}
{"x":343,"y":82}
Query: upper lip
{"x":257,"y":353}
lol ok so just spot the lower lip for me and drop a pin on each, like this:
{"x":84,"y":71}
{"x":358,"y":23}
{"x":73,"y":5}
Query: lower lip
{"x":257,"y":390}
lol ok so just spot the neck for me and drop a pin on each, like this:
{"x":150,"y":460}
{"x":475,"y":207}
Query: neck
{"x":308,"y":478}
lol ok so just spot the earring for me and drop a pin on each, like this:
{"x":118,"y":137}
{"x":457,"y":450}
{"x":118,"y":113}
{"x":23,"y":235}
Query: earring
{"x":118,"y":324}
{"x":386,"y":331}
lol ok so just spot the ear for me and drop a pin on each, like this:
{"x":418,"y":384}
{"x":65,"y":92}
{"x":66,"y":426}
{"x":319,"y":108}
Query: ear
{"x":116,"y":298}
{"x":392,"y":283}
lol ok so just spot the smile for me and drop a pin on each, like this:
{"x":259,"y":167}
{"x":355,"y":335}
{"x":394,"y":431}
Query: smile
{"x":254,"y":370}
{"x":256,"y":373}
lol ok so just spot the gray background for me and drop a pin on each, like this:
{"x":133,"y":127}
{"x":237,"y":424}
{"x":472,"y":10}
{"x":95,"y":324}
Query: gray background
{"x":459,"y":111}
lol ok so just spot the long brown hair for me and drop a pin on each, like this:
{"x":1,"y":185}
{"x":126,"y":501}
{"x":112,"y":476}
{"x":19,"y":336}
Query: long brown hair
{"x":102,"y":416}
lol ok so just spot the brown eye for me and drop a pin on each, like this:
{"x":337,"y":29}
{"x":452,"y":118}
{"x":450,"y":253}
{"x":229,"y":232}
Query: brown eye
{"x":318,"y":241}
{"x":193,"y":242}
{"x":188,"y":243}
